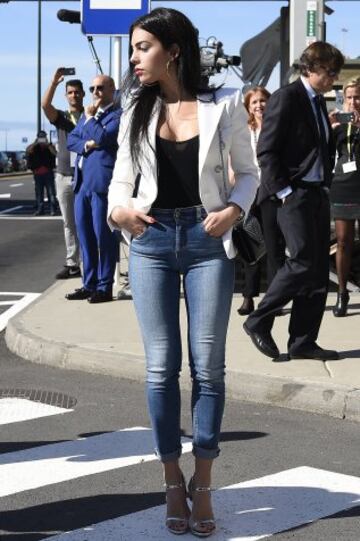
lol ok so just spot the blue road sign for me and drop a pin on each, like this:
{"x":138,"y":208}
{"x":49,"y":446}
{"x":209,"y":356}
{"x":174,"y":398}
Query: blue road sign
{"x":111,"y":17}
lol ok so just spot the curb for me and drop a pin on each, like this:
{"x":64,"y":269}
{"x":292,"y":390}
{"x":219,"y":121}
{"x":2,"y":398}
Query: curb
{"x":6,"y":176}
{"x":338,"y":401}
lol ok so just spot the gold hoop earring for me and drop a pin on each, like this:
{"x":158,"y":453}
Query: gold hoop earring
{"x":168,"y":66}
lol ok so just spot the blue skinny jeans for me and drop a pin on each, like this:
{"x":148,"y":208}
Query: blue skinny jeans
{"x":177,"y":245}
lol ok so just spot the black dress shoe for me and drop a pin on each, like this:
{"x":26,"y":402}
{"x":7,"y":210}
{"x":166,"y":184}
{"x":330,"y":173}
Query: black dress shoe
{"x":69,"y":271}
{"x":264,"y":342}
{"x":100,"y":296}
{"x":341,"y":305}
{"x":316,"y":352}
{"x":79,"y":294}
{"x":247,"y":307}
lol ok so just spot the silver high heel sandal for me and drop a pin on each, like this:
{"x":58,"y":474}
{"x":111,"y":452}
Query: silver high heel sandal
{"x":195,"y":524}
{"x":182,"y":522}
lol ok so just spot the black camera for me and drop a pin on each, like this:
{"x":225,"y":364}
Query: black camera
{"x":213,"y":59}
{"x":344,"y":118}
{"x":68,"y":71}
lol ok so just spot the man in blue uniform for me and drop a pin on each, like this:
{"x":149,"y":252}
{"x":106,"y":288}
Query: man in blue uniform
{"x":95,"y":141}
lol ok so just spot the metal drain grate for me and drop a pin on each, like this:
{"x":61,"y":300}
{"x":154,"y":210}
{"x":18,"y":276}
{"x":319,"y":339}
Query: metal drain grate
{"x":51,"y":398}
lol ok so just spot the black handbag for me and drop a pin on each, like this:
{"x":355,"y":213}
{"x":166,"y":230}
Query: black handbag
{"x":248,"y":240}
{"x":247,"y":234}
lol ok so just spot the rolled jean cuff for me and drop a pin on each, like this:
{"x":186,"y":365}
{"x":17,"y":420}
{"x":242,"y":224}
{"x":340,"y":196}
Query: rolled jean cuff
{"x":169,"y":457}
{"x":200,"y":452}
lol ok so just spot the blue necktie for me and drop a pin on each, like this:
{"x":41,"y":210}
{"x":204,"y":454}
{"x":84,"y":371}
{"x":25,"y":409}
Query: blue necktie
{"x":324,"y":149}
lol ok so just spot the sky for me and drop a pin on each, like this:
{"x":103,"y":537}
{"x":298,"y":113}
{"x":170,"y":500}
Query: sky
{"x":63,"y":44}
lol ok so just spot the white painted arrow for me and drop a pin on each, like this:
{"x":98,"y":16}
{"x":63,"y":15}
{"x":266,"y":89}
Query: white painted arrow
{"x":246,"y":511}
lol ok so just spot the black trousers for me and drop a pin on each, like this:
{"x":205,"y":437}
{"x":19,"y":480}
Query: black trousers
{"x":275,"y":248}
{"x":273,"y":237}
{"x":304,"y":220}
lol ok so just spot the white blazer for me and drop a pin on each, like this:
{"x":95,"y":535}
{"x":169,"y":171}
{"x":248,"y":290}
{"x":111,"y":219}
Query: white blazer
{"x":226,"y":117}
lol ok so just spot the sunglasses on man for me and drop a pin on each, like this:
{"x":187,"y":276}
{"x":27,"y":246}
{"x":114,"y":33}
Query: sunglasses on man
{"x":99,"y":88}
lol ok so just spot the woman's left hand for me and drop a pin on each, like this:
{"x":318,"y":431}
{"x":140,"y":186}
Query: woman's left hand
{"x":217,"y":223}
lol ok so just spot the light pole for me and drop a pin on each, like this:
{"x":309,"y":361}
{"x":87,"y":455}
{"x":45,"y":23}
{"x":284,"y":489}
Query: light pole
{"x":38,"y":108}
{"x":39,"y":69}
{"x":344,"y":31}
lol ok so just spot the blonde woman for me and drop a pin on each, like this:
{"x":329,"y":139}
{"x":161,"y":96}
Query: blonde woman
{"x":345,"y":190}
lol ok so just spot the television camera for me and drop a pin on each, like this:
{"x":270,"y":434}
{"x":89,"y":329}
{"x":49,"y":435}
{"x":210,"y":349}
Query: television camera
{"x":213,"y":59}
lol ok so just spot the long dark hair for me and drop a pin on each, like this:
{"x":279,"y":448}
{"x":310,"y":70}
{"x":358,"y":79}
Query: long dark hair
{"x":170,"y":27}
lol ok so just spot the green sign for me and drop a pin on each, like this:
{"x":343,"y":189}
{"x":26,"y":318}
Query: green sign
{"x":311,"y":24}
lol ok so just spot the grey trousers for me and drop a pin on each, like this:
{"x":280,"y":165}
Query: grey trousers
{"x":65,"y":196}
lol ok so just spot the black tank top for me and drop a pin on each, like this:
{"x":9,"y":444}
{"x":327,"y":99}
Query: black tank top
{"x":178,"y":173}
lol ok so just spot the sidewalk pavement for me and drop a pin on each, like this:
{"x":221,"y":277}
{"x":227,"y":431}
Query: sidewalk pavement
{"x":104,"y":338}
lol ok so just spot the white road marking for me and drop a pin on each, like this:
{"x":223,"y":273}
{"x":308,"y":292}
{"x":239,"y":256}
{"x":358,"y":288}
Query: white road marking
{"x":5,"y":195}
{"x":58,"y":462}
{"x":6,"y":217}
{"x":14,"y":293}
{"x":15,"y":410}
{"x":246,"y":511}
{"x":12,"y":209}
{"x":16,"y":307}
{"x":16,"y":185}
{"x":6,"y":303}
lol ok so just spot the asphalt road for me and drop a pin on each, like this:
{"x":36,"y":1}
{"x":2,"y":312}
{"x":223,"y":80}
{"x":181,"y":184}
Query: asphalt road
{"x":32,"y":248}
{"x":256,"y":441}
{"x":71,"y":467}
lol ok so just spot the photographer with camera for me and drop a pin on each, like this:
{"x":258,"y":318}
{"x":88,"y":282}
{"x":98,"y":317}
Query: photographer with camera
{"x":345,"y":188}
{"x":40,"y":157}
{"x":65,"y":122}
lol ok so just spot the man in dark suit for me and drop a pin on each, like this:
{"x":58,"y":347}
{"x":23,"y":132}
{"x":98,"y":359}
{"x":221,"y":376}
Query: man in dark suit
{"x":296,"y":154}
{"x":95,"y":141}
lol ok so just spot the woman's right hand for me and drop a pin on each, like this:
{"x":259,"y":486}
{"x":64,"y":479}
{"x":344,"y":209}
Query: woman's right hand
{"x":132,"y":220}
{"x":332,"y":118}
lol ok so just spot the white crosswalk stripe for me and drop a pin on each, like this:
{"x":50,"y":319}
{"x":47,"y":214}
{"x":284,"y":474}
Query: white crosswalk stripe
{"x":16,"y":305}
{"x":247,"y":511}
{"x":61,"y":462}
{"x":15,"y":410}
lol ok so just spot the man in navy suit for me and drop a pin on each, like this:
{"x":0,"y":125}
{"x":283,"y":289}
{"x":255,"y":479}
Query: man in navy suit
{"x":94,"y":139}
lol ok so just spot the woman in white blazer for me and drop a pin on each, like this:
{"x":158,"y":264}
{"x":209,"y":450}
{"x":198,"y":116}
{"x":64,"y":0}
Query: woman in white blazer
{"x":171,"y":197}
